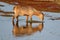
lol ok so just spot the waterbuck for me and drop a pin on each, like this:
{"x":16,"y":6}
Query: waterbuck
{"x":27,"y":11}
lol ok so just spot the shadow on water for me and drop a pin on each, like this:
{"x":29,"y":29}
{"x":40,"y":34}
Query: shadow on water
{"x":25,"y":30}
{"x":1,"y":5}
{"x":6,"y":14}
{"x":55,"y":18}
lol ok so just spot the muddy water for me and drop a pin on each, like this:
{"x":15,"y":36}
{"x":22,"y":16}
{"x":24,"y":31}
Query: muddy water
{"x":48,"y":30}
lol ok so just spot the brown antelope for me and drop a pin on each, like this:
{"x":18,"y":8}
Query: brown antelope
{"x":25,"y":30}
{"x":27,"y":11}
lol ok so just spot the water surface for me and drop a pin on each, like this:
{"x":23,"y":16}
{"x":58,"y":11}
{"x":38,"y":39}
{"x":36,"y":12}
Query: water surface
{"x":49,"y":31}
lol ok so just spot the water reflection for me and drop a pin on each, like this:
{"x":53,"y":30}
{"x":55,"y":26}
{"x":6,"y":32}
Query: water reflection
{"x":25,"y":30}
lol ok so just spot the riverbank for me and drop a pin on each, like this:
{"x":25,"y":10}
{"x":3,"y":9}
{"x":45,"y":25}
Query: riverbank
{"x":42,"y":6}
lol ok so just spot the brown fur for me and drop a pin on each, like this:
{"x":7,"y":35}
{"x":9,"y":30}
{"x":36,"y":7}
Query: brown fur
{"x":27,"y":11}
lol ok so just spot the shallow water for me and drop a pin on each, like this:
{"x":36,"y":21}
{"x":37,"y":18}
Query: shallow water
{"x":49,"y":30}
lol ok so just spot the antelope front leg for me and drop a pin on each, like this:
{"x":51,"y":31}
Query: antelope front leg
{"x":41,"y":16}
{"x":30,"y":19}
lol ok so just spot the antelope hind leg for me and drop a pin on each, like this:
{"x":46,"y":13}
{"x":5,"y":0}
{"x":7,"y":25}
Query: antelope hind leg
{"x":26,"y":18}
{"x":17,"y":18}
{"x":13,"y":19}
